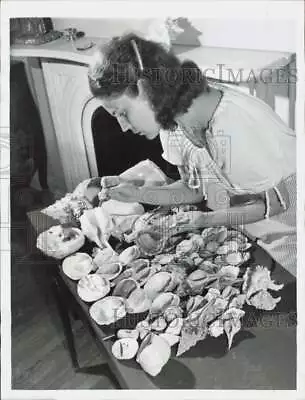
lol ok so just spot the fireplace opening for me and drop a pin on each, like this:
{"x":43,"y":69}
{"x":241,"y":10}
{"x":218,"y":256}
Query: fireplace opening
{"x":116,"y":151}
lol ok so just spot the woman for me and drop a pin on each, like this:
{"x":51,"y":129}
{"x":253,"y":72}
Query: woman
{"x":230,"y":148}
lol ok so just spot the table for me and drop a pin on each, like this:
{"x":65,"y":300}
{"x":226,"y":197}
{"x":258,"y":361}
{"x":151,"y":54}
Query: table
{"x":263,"y":355}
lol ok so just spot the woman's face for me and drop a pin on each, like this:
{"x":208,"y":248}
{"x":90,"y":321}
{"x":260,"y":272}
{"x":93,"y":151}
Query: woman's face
{"x":134,"y":113}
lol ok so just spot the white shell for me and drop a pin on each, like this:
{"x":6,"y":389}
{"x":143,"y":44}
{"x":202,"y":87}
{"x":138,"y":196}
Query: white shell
{"x":105,"y":256}
{"x":234,"y":258}
{"x":93,"y":287}
{"x":77,"y":265}
{"x":164,"y":259}
{"x":108,"y":310}
{"x":130,"y":254}
{"x":125,"y":349}
{"x":153,"y":354}
{"x":125,"y":287}
{"x":157,"y":284}
{"x":138,"y":302}
{"x":163,"y":301}
{"x":174,"y":328}
{"x":228,"y":247}
{"x":127,"y":333}
{"x":212,"y":246}
{"x":143,"y":327}
{"x":111,"y":270}
{"x":159,"y":324}
{"x":51,"y":242}
{"x":171,"y":339}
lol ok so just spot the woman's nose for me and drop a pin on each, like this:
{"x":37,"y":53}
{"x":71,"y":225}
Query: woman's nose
{"x":125,"y":125}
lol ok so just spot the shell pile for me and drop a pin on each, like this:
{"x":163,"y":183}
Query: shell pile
{"x":205,"y":278}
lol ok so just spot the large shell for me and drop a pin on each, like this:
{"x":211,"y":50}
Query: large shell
{"x":54,"y":243}
{"x":237,"y":258}
{"x":125,"y":349}
{"x":105,"y":256}
{"x":110,"y":271}
{"x":77,"y":265}
{"x":125,"y":287}
{"x":175,"y":327}
{"x":93,"y":287}
{"x":263,"y":301}
{"x":187,"y":247}
{"x":138,"y":302}
{"x":153,"y":354}
{"x":258,"y":278}
{"x":159,"y":324}
{"x":130,"y":254}
{"x":170,"y":338}
{"x":108,"y":310}
{"x":156,"y":284}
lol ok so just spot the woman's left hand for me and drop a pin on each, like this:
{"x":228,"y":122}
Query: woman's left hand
{"x":125,"y":192}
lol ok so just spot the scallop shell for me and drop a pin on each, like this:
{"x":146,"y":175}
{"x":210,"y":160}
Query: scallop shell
{"x":108,"y":310}
{"x":138,"y":302}
{"x":125,"y":287}
{"x":93,"y":287}
{"x":77,"y":265}
{"x":110,"y":271}
{"x":125,"y":349}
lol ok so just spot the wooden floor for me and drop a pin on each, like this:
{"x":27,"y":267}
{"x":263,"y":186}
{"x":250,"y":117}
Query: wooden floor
{"x":40,"y":359}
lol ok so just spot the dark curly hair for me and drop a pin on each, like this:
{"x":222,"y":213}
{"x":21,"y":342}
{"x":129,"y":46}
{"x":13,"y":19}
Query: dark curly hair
{"x":171,"y":85}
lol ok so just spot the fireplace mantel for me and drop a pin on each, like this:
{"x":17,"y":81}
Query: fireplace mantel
{"x":58,"y":76}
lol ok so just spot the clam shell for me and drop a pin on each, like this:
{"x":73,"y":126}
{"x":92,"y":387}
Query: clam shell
{"x":163,"y":301}
{"x":164,"y":259}
{"x":157,"y":284}
{"x":108,"y":310}
{"x":138,"y":302}
{"x":171,"y":339}
{"x":125,"y":287}
{"x":186,"y":247}
{"x":228,"y":247}
{"x":159,"y":324}
{"x":105,"y":256}
{"x":237,"y":258}
{"x":212,"y":246}
{"x":110,"y":271}
{"x":125,"y":349}
{"x":93,"y":287}
{"x":77,"y":265}
{"x":143,"y":327}
{"x":130,"y":254}
{"x":141,"y":270}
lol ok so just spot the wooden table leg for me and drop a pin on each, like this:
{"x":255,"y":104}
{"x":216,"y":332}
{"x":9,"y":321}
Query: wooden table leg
{"x":65,"y":319}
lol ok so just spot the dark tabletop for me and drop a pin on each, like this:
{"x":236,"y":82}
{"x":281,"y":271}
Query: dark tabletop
{"x":263,"y":354}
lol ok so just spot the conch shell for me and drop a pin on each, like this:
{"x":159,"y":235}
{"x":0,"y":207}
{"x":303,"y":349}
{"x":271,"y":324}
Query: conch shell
{"x":153,"y":354}
{"x":258,"y":278}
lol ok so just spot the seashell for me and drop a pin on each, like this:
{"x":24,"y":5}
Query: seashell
{"x":171,"y":339}
{"x":157,"y":284}
{"x":234,"y":258}
{"x":125,"y":349}
{"x":153,"y":354}
{"x":194,"y":303}
{"x":258,"y":278}
{"x":108,"y":310}
{"x":93,"y":287}
{"x":229,"y":291}
{"x":127,"y":333}
{"x":138,"y":302}
{"x":222,"y":235}
{"x":159,"y":324}
{"x":212,"y":246}
{"x":229,"y":270}
{"x":198,"y":240}
{"x":163,"y":301}
{"x":144,"y":328}
{"x":141,"y":270}
{"x":125,"y":287}
{"x":130,"y":254}
{"x":212,"y":294}
{"x":244,"y":246}
{"x":110,"y":271}
{"x":172,"y":312}
{"x":77,"y":265}
{"x":208,"y":266}
{"x":186,"y":247}
{"x":59,"y":242}
{"x":174,"y":328}
{"x":216,"y":328}
{"x":105,"y":256}
{"x":263,"y":301}
{"x":124,"y":275}
{"x":164,"y":259}
{"x":228,"y":247}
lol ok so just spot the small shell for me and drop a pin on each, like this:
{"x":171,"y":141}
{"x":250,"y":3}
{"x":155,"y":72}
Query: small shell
{"x":130,"y":254}
{"x":77,"y":265}
{"x":128,"y":333}
{"x":110,"y":271}
{"x":228,"y":247}
{"x":157,"y":284}
{"x":174,"y":328}
{"x":125,"y":287}
{"x":216,"y":328}
{"x":171,"y":339}
{"x":194,"y":303}
{"x":143,"y":327}
{"x":125,"y":349}
{"x":93,"y":287}
{"x":108,"y":310}
{"x":172,"y":313}
{"x":186,"y":247}
{"x":222,"y":235}
{"x":138,"y":302}
{"x":159,"y":324}
{"x":234,"y":258}
{"x":212,"y":246}
{"x":263,"y":301}
{"x":105,"y":256}
{"x":164,"y":259}
{"x":163,"y":301}
{"x":229,"y":270}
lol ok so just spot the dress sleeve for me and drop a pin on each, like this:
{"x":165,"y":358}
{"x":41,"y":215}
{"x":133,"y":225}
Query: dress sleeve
{"x":171,"y":148}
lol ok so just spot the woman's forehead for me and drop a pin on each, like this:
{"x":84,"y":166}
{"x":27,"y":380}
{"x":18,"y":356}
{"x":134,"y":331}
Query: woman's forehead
{"x":115,"y":103}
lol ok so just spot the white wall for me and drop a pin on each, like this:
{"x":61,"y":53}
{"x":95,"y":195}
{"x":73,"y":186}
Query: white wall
{"x":263,"y":34}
